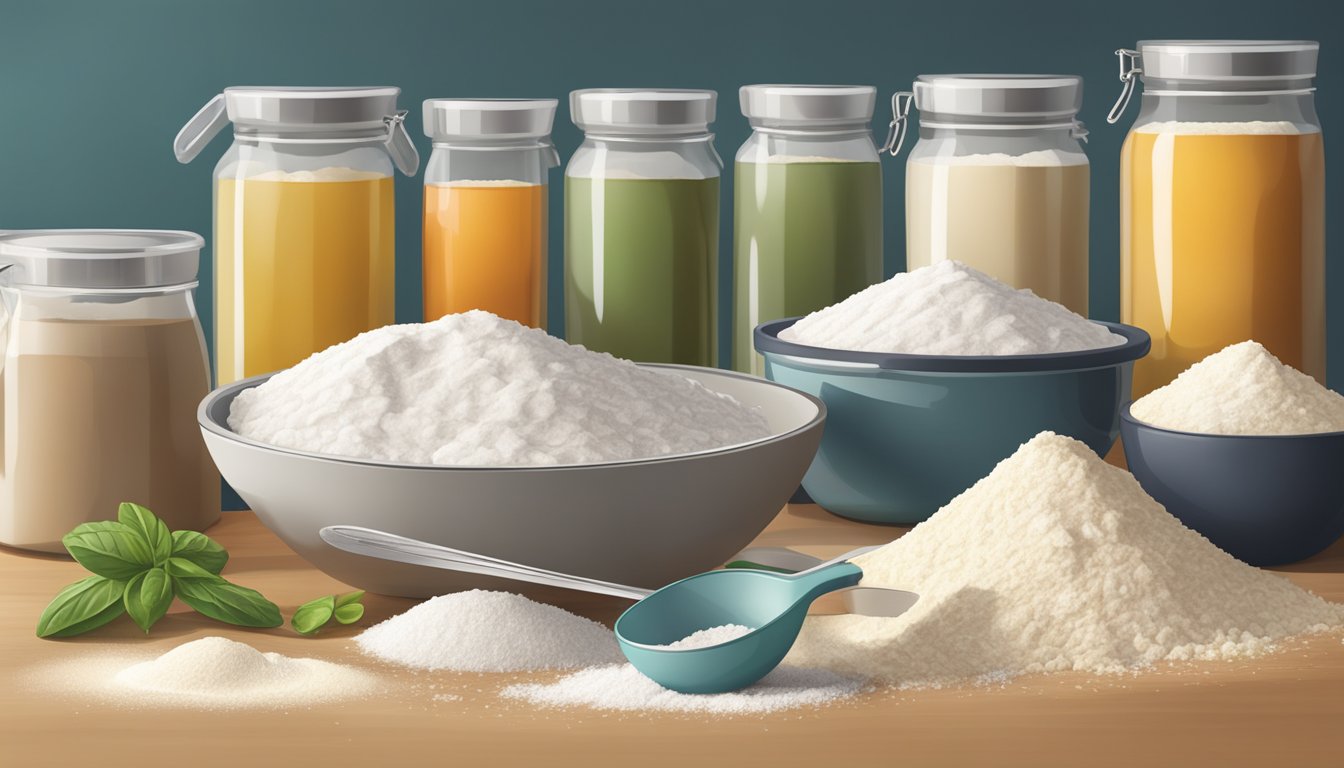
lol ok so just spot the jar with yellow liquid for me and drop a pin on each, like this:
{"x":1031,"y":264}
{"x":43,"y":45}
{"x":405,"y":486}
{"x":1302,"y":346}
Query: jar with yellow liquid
{"x":485,"y":212}
{"x":1222,"y":203}
{"x":303,"y":252}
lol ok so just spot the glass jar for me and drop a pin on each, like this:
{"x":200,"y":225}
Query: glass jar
{"x":104,"y":366}
{"x":807,"y":205}
{"x":304,"y":222}
{"x":999,"y":180}
{"x":642,"y":226}
{"x":485,"y":207}
{"x":1222,"y":203}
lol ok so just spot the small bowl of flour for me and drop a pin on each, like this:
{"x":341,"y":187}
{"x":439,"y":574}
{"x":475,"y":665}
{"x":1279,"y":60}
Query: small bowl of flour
{"x":934,"y":376}
{"x":488,"y":436}
{"x":1246,"y":450}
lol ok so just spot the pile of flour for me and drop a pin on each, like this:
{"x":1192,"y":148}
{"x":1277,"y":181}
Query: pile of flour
{"x":949,"y":308}
{"x":476,"y":390}
{"x":1057,"y":561}
{"x":480,"y":631}
{"x":215,"y":672}
{"x":1250,"y":128}
{"x":1243,"y":390}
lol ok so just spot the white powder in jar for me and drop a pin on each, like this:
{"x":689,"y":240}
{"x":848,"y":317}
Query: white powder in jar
{"x":1243,"y":390}
{"x":474,"y":389}
{"x":949,"y":308}
{"x":1057,"y":561}
{"x":481,"y":631}
{"x":1209,"y":128}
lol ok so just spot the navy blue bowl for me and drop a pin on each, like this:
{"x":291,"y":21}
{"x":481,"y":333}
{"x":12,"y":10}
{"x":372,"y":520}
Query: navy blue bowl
{"x":1264,"y":499}
{"x":907,"y":433}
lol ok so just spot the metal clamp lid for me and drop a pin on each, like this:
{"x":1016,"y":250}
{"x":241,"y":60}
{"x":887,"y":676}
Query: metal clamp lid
{"x":1129,"y":72}
{"x":900,"y":122}
{"x":399,"y":145}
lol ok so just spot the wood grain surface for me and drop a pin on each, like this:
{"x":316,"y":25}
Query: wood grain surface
{"x":1284,"y":709}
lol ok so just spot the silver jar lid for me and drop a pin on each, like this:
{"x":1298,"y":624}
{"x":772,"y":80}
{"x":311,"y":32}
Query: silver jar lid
{"x":1224,"y":60}
{"x":642,"y":110}
{"x":807,"y":106}
{"x":1001,"y":96}
{"x":279,"y":108}
{"x":100,"y":259}
{"x":450,"y":119}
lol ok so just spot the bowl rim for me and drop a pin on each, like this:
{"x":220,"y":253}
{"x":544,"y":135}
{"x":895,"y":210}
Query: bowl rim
{"x":1136,"y":345}
{"x":208,"y":424}
{"x":1127,"y":417}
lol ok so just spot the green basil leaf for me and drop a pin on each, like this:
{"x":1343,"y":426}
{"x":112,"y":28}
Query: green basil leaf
{"x":147,"y":597}
{"x":111,"y":550}
{"x":349,"y":614}
{"x":199,"y":549}
{"x":349,"y":598}
{"x":219,"y":599}
{"x":87,"y":604}
{"x":314,"y":615}
{"x":155,"y":534}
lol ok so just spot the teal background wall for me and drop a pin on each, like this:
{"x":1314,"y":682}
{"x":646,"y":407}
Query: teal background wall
{"x":93,"y":91}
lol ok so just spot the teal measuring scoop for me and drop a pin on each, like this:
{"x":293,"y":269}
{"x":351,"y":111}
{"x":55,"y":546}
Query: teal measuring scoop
{"x":775,"y":604}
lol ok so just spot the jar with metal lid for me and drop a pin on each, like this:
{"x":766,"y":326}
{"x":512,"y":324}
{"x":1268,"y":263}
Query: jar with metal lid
{"x":104,"y":366}
{"x":807,"y":205}
{"x":304,"y":222}
{"x":486,"y":206}
{"x":999,"y":180}
{"x":642,"y":225}
{"x":1222,"y":203}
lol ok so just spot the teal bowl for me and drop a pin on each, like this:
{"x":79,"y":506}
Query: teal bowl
{"x":907,"y":433}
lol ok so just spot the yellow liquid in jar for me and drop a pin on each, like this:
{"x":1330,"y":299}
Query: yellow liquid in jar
{"x":299,"y":266}
{"x":1223,"y":240}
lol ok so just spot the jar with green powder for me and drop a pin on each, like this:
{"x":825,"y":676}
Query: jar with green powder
{"x":642,"y":225}
{"x":807,"y":205}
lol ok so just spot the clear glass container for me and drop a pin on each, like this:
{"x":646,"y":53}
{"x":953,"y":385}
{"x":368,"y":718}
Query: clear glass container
{"x":807,"y":205}
{"x":642,"y":226}
{"x":484,"y":237}
{"x":1222,"y":203}
{"x":304,"y":220}
{"x":104,"y":366}
{"x":999,"y":181}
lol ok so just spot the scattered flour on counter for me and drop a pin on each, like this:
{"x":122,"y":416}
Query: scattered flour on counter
{"x":622,"y":687}
{"x":708,"y":638}
{"x":1251,"y":128}
{"x":474,"y":389}
{"x":480,"y":631}
{"x":1243,"y":390}
{"x":949,"y":308}
{"x":1057,"y":561}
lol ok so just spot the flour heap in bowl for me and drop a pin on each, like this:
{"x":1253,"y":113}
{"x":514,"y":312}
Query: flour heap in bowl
{"x":949,"y":308}
{"x":480,"y":631}
{"x":1057,"y":561}
{"x":1243,"y":390}
{"x":473,"y":389}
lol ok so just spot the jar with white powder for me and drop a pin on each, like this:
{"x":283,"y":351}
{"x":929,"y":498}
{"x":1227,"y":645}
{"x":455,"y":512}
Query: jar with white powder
{"x":999,"y":180}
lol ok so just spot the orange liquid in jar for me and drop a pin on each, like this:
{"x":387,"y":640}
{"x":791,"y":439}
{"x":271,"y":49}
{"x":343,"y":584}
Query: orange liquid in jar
{"x":1222,"y":240}
{"x":485,"y":248}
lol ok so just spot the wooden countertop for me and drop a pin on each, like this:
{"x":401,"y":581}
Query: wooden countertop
{"x":1279,"y":710}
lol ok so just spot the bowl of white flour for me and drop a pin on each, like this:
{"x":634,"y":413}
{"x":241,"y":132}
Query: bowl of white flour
{"x":933,"y":377}
{"x":1245,"y":450}
{"x":483,"y":435}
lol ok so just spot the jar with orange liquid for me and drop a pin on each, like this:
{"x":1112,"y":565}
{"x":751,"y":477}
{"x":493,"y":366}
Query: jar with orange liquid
{"x":1222,"y":194}
{"x":485,"y":207}
{"x":303,"y":255}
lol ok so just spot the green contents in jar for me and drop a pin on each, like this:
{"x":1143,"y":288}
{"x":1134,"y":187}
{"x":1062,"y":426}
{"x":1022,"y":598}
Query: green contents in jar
{"x":806,"y":235}
{"x":641,"y":257}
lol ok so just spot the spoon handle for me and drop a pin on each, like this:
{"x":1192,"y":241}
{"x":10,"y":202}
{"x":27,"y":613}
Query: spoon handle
{"x":390,"y":546}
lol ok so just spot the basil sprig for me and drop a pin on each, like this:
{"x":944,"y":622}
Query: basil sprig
{"x":138,"y":567}
{"x":316,"y":614}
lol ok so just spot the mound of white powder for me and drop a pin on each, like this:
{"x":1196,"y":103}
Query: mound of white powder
{"x":215,"y":672}
{"x":1036,"y":159}
{"x":948,"y":308}
{"x":708,"y":638}
{"x":480,"y":631}
{"x":1057,"y":561}
{"x":1196,"y":128}
{"x":623,"y":688}
{"x":476,"y":390}
{"x":1243,"y":390}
